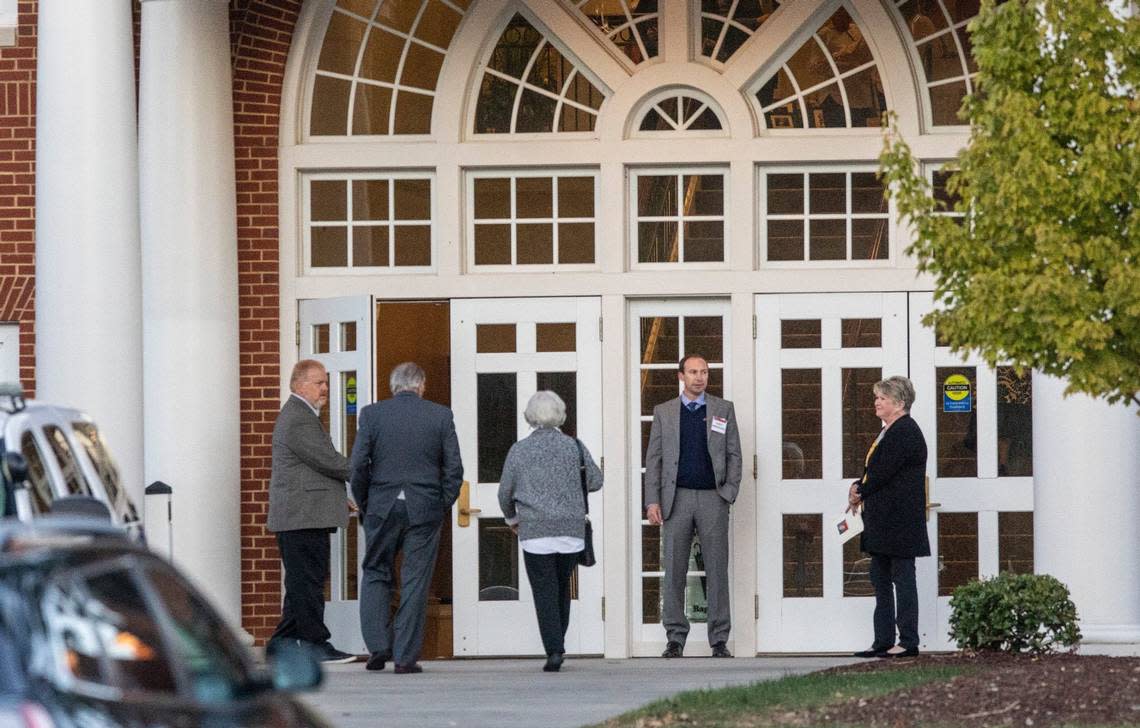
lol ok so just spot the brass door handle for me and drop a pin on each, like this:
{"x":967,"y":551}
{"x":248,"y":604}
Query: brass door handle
{"x":929,"y":506}
{"x":465,"y":509}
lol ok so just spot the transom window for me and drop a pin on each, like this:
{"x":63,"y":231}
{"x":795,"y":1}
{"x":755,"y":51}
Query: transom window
{"x":632,"y":25}
{"x":685,"y":110}
{"x":368,"y":220}
{"x":529,"y":86}
{"x":379,"y":65}
{"x":830,"y":82}
{"x":727,"y":24}
{"x":824,"y":215}
{"x":679,"y":216}
{"x":525,"y":219}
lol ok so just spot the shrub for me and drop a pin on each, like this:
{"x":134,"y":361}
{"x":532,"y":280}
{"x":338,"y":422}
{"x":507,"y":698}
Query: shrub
{"x":1014,"y":613}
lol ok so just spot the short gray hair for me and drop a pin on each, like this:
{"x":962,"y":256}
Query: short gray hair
{"x":900,"y":389}
{"x":301,"y":370}
{"x":545,"y":409}
{"x":406,"y":377}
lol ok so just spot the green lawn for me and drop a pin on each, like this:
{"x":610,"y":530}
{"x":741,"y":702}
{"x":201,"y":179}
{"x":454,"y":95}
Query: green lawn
{"x":749,"y":704}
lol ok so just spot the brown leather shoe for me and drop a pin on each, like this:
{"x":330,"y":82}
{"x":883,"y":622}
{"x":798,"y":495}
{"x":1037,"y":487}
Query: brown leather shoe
{"x":408,"y":669}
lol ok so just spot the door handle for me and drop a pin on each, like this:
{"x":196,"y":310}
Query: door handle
{"x":465,"y":509}
{"x":929,"y":506}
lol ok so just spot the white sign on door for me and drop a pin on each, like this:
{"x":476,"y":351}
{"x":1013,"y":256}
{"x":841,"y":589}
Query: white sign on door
{"x":9,"y":352}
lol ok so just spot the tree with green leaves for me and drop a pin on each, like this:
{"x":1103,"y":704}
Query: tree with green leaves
{"x":1038,"y":267}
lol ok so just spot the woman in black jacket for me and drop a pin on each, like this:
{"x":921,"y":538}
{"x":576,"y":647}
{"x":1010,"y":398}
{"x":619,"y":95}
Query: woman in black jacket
{"x":892,"y":494}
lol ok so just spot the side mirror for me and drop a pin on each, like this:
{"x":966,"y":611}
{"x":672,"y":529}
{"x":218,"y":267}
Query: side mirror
{"x":15,"y":468}
{"x":295,"y":668}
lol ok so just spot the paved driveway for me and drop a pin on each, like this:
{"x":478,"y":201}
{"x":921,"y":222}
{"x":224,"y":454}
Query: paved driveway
{"x":517,"y":694}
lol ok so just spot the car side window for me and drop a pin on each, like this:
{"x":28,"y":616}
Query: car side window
{"x":88,"y":436}
{"x":72,"y":475}
{"x":38,"y":484}
{"x":202,"y":645}
{"x":104,"y":635}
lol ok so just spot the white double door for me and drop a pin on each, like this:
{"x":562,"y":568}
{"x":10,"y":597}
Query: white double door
{"x":503,"y":351}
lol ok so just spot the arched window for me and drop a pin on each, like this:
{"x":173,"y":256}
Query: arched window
{"x":940,"y":42}
{"x":529,"y":86}
{"x":379,"y":64}
{"x":632,"y":25}
{"x":679,"y":110}
{"x":726,"y":24}
{"x":830,"y":82}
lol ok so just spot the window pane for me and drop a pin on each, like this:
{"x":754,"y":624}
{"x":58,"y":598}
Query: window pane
{"x":803,"y":555}
{"x":1014,"y":422}
{"x":321,"y":339}
{"x":536,"y":113}
{"x":370,"y":245}
{"x":705,"y":335}
{"x":555,"y":337}
{"x":413,"y":113}
{"x":575,"y":243}
{"x":497,"y":397}
{"x":327,"y":200}
{"x":657,"y":242}
{"x":704,"y":193}
{"x":870,"y":239}
{"x":861,"y":333}
{"x":809,"y":65}
{"x":341,"y":44}
{"x":565,"y":385}
{"x":657,"y":386}
{"x":651,"y":557}
{"x":413,"y":245}
{"x":860,"y":425}
{"x":856,"y":571}
{"x":957,"y":551}
{"x":329,"y":246}
{"x":494,"y":338}
{"x":785,"y":194}
{"x":828,"y":193}
{"x":498,"y":561}
{"x":957,"y":431}
{"x":329,"y":115}
{"x":492,"y":245}
{"x":382,"y":56}
{"x":575,"y":196}
{"x":534,"y":197}
{"x":800,"y":334}
{"x":1015,"y":542}
{"x":825,"y":108}
{"x":657,"y":195}
{"x":371,"y":108}
{"x":827,"y":239}
{"x":659,"y":340}
{"x":369,"y":199}
{"x":867,"y":193}
{"x":945,"y":101}
{"x":421,"y":67}
{"x":785,"y":240}
{"x":72,"y":475}
{"x":398,"y":15}
{"x":865,"y":97}
{"x":704,"y":241}
{"x":413,"y":199}
{"x":492,"y":198}
{"x":496,"y":103}
{"x":438,"y":24}
{"x":802,"y":423}
{"x":535,"y":244}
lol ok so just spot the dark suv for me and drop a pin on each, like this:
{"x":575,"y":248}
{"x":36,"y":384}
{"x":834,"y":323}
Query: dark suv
{"x":97,"y":631}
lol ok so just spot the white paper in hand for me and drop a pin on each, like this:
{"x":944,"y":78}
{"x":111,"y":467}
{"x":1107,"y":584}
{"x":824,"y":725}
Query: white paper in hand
{"x":848,"y":526}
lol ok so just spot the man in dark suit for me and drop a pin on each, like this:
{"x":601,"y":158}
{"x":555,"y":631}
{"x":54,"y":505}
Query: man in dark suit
{"x":692,"y":476}
{"x":406,"y":474}
{"x":307,"y":502}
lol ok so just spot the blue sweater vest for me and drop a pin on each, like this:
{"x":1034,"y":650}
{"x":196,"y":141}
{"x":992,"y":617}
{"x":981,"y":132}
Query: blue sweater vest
{"x":694,"y":466}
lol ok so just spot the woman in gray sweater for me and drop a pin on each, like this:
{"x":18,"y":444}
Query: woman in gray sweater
{"x":541,"y":495}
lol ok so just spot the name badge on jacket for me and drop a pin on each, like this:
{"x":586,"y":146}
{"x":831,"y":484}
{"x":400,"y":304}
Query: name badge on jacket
{"x":719,"y":424}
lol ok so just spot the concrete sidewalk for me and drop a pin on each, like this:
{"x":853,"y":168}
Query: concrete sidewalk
{"x":517,"y":694}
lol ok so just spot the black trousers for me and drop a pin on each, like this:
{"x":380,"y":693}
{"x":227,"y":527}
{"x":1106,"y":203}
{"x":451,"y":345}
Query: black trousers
{"x":549,"y":576}
{"x":305,"y":558}
{"x":896,"y":601}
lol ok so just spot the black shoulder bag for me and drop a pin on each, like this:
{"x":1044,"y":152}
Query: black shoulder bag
{"x":586,"y":555}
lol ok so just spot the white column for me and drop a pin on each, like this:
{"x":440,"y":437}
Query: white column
{"x":88,"y":286}
{"x":190,"y":289}
{"x":1086,"y":484}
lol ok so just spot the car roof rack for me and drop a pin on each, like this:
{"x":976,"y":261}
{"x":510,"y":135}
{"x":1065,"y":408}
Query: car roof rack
{"x":12,"y":398}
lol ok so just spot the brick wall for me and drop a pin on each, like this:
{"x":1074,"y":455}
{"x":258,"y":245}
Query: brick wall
{"x":18,"y":187}
{"x":260,"y":33}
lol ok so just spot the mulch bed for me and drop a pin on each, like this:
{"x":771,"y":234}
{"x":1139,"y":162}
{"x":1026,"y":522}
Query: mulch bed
{"x":996,"y":690}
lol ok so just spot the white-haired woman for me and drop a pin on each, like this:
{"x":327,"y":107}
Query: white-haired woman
{"x":540,"y":492}
{"x":893,"y":495}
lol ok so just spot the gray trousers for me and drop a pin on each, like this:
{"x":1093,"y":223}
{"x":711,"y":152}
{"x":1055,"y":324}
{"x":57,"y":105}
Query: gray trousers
{"x":403,"y":639}
{"x":705,"y":512}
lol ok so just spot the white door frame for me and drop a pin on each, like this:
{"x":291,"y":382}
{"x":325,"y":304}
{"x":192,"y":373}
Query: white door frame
{"x":509,"y":627}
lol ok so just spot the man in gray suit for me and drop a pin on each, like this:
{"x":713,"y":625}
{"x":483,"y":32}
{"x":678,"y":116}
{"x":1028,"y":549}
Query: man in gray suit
{"x":692,"y":476}
{"x":406,"y":474}
{"x":307,"y":502}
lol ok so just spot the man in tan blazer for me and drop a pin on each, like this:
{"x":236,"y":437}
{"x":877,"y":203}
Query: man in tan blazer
{"x":307,"y":502}
{"x":692,"y":476}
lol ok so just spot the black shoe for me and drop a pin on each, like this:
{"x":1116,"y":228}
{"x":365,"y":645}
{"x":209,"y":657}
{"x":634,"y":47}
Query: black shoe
{"x":673,"y":649}
{"x":904,"y":652}
{"x":411,"y":669}
{"x":873,"y":652}
{"x":377,"y":660}
{"x":553,"y":662}
{"x":330,"y":655}
{"x":721,"y":650}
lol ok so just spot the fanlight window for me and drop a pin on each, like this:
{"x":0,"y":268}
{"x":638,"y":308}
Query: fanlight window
{"x":830,"y":82}
{"x":632,"y":25}
{"x":727,"y":24}
{"x":529,"y":86}
{"x":941,"y":43}
{"x":680,"y":112}
{"x":379,"y":65}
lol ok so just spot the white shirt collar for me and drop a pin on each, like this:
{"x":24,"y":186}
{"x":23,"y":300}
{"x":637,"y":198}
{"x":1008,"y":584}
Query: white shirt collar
{"x":304,"y":401}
